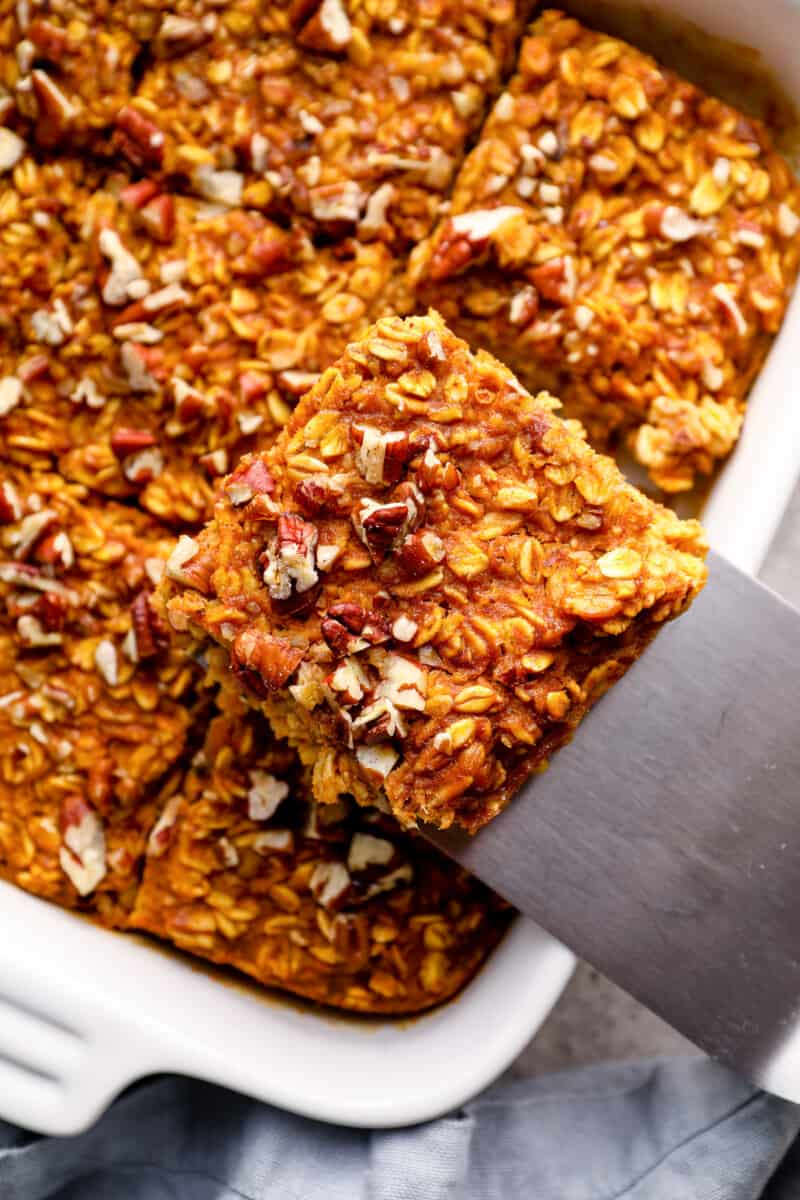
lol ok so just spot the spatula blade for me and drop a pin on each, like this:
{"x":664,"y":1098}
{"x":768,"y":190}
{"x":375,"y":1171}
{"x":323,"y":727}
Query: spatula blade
{"x":663,"y":844}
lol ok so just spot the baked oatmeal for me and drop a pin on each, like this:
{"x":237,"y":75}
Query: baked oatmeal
{"x":153,"y":338}
{"x":332,"y":902}
{"x":93,"y":705}
{"x":429,"y":579}
{"x":624,"y":238}
{"x":354,"y":117}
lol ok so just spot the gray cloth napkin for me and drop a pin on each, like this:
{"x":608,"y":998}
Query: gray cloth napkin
{"x":678,"y":1129}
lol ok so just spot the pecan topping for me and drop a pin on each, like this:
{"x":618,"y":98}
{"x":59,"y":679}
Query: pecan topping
{"x":131,"y":441}
{"x":262,"y":662}
{"x":152,"y":635}
{"x":380,"y":455}
{"x":318,"y":495}
{"x":178,"y":35}
{"x":556,"y":280}
{"x":289,"y":564}
{"x":55,"y":111}
{"x":382,"y":527}
{"x":348,"y":628}
{"x":350,"y":681}
{"x":330,"y":884}
{"x":324,"y":26}
{"x":421,"y":552}
{"x":158,"y":217}
{"x":137,"y":195}
{"x":144,"y":466}
{"x":83,"y":853}
{"x":189,"y":565}
{"x":267,"y":255}
{"x":10,"y":504}
{"x":466,"y":237}
{"x":432,"y":473}
{"x":249,"y":480}
{"x":139,"y":138}
{"x":372,"y":626}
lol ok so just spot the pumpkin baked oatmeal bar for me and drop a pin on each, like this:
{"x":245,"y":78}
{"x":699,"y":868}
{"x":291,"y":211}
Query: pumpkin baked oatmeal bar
{"x":430,"y":578}
{"x":332,"y":902}
{"x":625,"y":239}
{"x":153,"y":338}
{"x":92,"y":716}
{"x":353,"y":121}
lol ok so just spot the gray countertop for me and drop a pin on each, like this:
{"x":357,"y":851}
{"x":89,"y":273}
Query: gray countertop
{"x":594,"y":1020}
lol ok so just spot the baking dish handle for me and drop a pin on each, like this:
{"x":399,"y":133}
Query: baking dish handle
{"x":66,"y":1048}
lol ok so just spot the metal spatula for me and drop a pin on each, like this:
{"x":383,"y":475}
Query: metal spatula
{"x":663,"y":844}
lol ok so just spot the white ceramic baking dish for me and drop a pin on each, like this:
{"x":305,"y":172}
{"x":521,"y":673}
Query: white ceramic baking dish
{"x":84,"y":1012}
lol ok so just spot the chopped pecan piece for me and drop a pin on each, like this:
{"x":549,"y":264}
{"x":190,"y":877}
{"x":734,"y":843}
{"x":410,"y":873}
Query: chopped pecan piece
{"x":421,"y":552}
{"x":383,"y":527}
{"x":158,"y":217}
{"x":467,"y":237}
{"x":150,"y":631}
{"x":249,"y":480}
{"x":263,"y":662}
{"x":139,"y":138}
{"x":289,"y":562}
{"x":380,"y":456}
{"x":131,"y":441}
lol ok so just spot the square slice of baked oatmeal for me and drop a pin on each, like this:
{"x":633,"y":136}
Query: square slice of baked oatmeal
{"x":625,"y":239}
{"x":429,"y":579}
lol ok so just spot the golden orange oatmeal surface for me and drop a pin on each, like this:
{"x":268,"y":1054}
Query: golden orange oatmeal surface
{"x":624,"y":238}
{"x":160,"y":337}
{"x":429,"y":578}
{"x":93,"y":703}
{"x":353,"y":116}
{"x":332,"y":902}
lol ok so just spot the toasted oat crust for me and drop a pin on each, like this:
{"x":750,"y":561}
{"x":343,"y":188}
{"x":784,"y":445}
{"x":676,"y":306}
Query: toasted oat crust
{"x":430,"y":578}
{"x":331,"y":902}
{"x":623,"y":238}
{"x":94,"y":706}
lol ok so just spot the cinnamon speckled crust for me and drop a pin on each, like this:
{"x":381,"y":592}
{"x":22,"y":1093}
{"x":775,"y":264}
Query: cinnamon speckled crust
{"x":151,"y":339}
{"x":332,"y":902}
{"x":429,"y":578}
{"x":94,"y":705}
{"x":625,"y":239}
